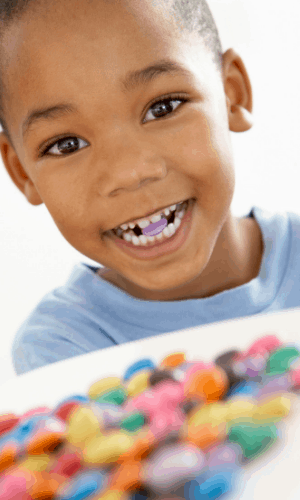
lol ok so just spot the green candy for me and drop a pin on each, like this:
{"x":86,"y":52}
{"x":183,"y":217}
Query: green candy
{"x":253,"y":439}
{"x":133,"y":422}
{"x":279,"y":361}
{"x":115,"y":396}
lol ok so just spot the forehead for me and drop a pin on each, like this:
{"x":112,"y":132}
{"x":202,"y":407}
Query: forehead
{"x":78,"y":49}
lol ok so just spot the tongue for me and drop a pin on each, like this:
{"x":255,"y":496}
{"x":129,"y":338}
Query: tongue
{"x":155,"y":228}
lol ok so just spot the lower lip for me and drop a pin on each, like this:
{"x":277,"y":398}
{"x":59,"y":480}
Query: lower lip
{"x":166,"y":247}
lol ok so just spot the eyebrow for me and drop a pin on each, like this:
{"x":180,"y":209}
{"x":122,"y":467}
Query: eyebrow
{"x":131,"y":82}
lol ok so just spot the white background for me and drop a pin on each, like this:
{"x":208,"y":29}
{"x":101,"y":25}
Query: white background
{"x":35,"y":258}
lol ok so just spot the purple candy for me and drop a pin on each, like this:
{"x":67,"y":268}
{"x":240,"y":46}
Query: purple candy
{"x":155,"y":228}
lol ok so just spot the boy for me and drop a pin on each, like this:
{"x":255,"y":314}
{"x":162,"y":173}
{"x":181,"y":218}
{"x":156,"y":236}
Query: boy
{"x":118,"y":158}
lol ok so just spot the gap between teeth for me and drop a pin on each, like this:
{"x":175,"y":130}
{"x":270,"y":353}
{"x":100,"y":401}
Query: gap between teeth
{"x":168,"y":231}
{"x":145,"y":223}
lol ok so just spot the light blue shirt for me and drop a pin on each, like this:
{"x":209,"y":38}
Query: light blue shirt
{"x":88,"y":313}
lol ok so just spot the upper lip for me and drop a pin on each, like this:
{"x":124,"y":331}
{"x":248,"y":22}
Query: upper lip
{"x":148,"y":214}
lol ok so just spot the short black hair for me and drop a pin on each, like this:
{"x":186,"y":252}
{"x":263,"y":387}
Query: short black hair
{"x":191,"y":17}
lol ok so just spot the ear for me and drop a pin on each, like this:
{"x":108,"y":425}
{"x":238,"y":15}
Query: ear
{"x":16,"y":171}
{"x":238,"y":92}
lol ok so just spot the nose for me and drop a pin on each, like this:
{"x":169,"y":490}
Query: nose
{"x":130,"y":171}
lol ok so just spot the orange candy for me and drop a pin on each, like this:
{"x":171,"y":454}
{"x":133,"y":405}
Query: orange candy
{"x":45,"y":485}
{"x":206,"y":435}
{"x":173,"y":360}
{"x":8,"y":455}
{"x":127,"y":477}
{"x":44,"y":442}
{"x":210,"y":384}
{"x":140,"y":449}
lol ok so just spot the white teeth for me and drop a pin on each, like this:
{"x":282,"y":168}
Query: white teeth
{"x":159,"y":236}
{"x":135,"y":240}
{"x":143,"y":239}
{"x":177,"y":222}
{"x":127,"y":236}
{"x":143,"y":224}
{"x":167,"y":211}
{"x":166,"y":232}
{"x":131,"y":225}
{"x":155,"y":218}
{"x":172,"y":208}
{"x":124,"y":227}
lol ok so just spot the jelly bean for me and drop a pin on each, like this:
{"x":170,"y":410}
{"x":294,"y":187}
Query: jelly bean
{"x":241,"y":410}
{"x":173,"y":465}
{"x":83,"y":485}
{"x":274,"y":385}
{"x":49,"y":433}
{"x":210,"y":487}
{"x":26,"y":429}
{"x":223,"y":455}
{"x":141,"y":446}
{"x":226,"y":362}
{"x":41,"y":410}
{"x":210,"y":384}
{"x":8,"y":455}
{"x":104,"y":385}
{"x":215,"y":413}
{"x":138,"y":383}
{"x":295,"y":378}
{"x":45,"y":485}
{"x":107,"y":414}
{"x":106,"y":449}
{"x":273,"y":410}
{"x":67,"y":464}
{"x":205,"y":435}
{"x":64,"y":410}
{"x":173,"y":360}
{"x":112,"y":495}
{"x":133,"y":422}
{"x":36,"y":463}
{"x":267,"y":344}
{"x":7,"y":422}
{"x":138,"y":366}
{"x":162,"y":422}
{"x":158,"y":376}
{"x":115,"y":396}
{"x":281,"y":359}
{"x":83,"y":426}
{"x":252,"y":438}
{"x":140,"y":494}
{"x":127,"y":477}
{"x":243,"y":388}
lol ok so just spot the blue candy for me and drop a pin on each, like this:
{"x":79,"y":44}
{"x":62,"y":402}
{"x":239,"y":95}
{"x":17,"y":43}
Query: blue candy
{"x":84,"y":485}
{"x":209,"y":486}
{"x":246,"y":388}
{"x":143,"y":364}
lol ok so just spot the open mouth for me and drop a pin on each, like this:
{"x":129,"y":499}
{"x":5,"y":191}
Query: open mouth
{"x":137,"y":234}
{"x":169,"y":240}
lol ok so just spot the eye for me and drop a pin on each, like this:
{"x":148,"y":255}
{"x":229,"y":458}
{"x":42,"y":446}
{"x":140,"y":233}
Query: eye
{"x":163,"y":107}
{"x":71,"y":142}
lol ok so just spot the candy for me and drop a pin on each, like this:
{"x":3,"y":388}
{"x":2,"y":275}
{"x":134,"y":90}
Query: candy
{"x":182,"y":429}
{"x":252,"y":438}
{"x":103,"y":386}
{"x":138,"y":366}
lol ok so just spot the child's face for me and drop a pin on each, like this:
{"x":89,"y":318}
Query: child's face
{"x":127,"y":161}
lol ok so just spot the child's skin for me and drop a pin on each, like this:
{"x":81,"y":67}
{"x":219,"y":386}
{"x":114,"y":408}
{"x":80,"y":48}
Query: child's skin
{"x":130,"y":162}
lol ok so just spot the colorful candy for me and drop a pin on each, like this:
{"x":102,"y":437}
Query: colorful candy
{"x":180,"y":429}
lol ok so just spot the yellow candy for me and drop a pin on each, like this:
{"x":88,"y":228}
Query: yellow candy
{"x":103,"y":385}
{"x":240,"y":410}
{"x":83,"y":426}
{"x":37,"y":463}
{"x":107,"y":449}
{"x":214,"y":413}
{"x":277,"y":408}
{"x":138,"y":383}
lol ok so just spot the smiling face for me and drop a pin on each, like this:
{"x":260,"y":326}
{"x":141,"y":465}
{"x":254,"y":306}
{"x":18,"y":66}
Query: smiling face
{"x":126,"y":158}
